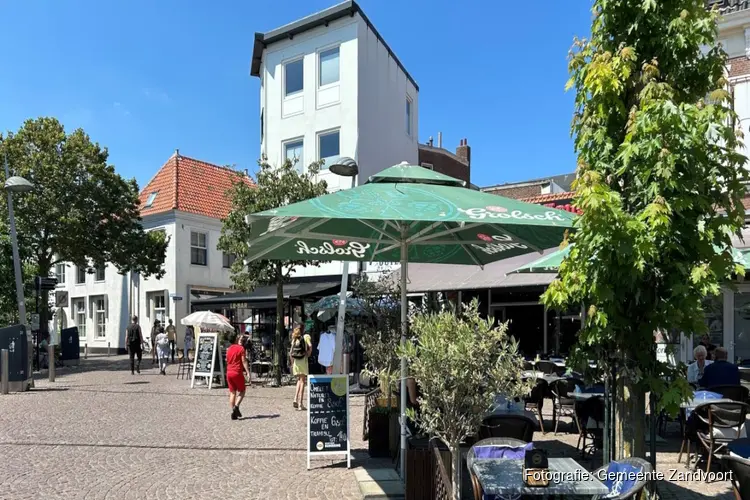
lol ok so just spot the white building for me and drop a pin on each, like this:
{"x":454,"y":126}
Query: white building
{"x":331,"y":87}
{"x":185,"y":199}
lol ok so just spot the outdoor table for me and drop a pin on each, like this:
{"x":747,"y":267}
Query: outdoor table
{"x":503,"y":479}
{"x":583,"y":396}
{"x":740,"y":448}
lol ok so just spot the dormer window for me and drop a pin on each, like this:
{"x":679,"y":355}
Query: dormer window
{"x":150,"y":200}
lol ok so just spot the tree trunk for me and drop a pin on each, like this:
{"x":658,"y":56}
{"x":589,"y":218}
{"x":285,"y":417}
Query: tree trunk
{"x":631,"y":420}
{"x":456,"y":470}
{"x":277,"y":344}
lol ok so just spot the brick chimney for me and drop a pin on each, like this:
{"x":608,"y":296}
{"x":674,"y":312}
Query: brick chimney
{"x":463,"y":151}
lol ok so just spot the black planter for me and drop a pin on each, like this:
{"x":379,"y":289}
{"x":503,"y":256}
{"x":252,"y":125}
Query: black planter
{"x":378,"y":442}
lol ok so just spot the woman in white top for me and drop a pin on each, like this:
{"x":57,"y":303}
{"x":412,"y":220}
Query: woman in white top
{"x":695,"y":370}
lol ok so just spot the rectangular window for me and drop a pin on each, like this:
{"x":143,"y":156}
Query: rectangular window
{"x":427,"y":165}
{"x":329,"y":66}
{"x":160,"y":309}
{"x":328,"y":147}
{"x":150,"y":200}
{"x":293,"y":77}
{"x":60,"y":274}
{"x":80,"y":312}
{"x":80,"y":275}
{"x":293,"y":153}
{"x":198,"y":249}
{"x":228,"y":260}
{"x":100,"y":273}
{"x":408,"y":116}
{"x":100,"y":317}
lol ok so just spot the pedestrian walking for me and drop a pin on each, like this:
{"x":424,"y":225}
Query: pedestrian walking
{"x":237,"y":368}
{"x":189,"y":336}
{"x":162,"y":348}
{"x":154,"y":333}
{"x":298,"y":353}
{"x":135,"y":345}
{"x":172,"y":336}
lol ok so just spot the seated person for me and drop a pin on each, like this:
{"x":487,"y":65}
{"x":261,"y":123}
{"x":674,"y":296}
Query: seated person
{"x":695,"y":370}
{"x":720,"y":372}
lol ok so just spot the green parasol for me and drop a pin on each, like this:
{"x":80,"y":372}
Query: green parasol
{"x":406,"y":214}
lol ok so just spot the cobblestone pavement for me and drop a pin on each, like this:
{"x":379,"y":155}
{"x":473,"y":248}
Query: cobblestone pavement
{"x":100,"y":433}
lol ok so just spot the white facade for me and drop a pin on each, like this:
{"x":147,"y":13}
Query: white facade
{"x":101,"y":309}
{"x":734,"y":37}
{"x":335,"y":84}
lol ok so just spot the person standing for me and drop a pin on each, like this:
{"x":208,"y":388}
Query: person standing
{"x":135,"y":345}
{"x":298,"y":354}
{"x":189,"y":337}
{"x":162,"y":346}
{"x":172,"y":336}
{"x":237,"y":368}
{"x":154,"y":333}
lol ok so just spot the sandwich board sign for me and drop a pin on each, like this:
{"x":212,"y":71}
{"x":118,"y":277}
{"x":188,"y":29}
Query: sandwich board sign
{"x":207,"y":357}
{"x":328,"y":417}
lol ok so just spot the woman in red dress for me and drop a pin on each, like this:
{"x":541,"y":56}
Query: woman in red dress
{"x":236,"y":365}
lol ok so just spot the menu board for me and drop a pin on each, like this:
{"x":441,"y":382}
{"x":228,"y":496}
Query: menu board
{"x":207,"y":357}
{"x":328,"y":416}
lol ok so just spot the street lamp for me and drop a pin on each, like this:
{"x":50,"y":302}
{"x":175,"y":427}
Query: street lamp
{"x":345,"y":167}
{"x":17,"y":184}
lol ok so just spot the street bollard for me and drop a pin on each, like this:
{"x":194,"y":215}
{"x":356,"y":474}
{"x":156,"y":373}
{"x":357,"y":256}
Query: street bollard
{"x":51,"y":362}
{"x":108,"y":346}
{"x":86,"y":351}
{"x":5,"y":376}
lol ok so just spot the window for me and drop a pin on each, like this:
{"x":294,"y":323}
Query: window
{"x":408,"y":116}
{"x":428,"y":165}
{"x":80,"y":275}
{"x":100,"y":317}
{"x":328,"y":146}
{"x":80,"y":312}
{"x":293,"y":153}
{"x":329,"y":66}
{"x":150,"y":200}
{"x":60,"y":274}
{"x":100,"y":273}
{"x":293,"y":77}
{"x":160,"y":309}
{"x":198,"y":249}
{"x":228,"y":260}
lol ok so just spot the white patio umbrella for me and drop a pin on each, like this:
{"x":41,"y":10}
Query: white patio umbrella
{"x":207,"y":320}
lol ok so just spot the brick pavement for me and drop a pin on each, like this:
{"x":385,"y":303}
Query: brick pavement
{"x":100,"y":433}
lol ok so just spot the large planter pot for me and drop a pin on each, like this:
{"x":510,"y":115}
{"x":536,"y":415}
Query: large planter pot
{"x":378,"y":442}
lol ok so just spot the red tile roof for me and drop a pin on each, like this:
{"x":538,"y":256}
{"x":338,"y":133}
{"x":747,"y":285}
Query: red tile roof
{"x":192,"y":186}
{"x":549,"y":198}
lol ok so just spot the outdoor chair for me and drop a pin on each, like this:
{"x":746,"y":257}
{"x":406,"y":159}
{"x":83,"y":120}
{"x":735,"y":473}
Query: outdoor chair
{"x":507,"y":426}
{"x":535,"y":400}
{"x":590,"y":411}
{"x":734,"y":392}
{"x":740,"y":468}
{"x":723,"y":423}
{"x":507,"y":448}
{"x":564,"y":406}
{"x":622,"y":490}
{"x":442,"y":482}
{"x":527,"y":366}
{"x":546,"y":367}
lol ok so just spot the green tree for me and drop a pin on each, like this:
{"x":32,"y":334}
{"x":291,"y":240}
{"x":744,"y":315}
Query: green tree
{"x":275,"y":187}
{"x":659,"y":182}
{"x":461,"y":362}
{"x":80,"y":210}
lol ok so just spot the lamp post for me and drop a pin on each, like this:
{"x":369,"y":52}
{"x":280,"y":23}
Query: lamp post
{"x":345,"y":167}
{"x":17,"y":184}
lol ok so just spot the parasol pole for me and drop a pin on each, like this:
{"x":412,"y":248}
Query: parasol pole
{"x":404,"y":326}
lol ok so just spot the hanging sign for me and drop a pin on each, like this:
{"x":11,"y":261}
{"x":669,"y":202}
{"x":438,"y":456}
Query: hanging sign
{"x":328,"y":417}
{"x":207,"y":357}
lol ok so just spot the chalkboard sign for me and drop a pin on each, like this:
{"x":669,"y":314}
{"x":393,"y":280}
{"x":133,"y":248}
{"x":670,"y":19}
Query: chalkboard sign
{"x":207,"y":357}
{"x":328,"y":416}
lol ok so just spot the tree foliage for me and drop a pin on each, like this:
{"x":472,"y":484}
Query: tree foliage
{"x":80,"y":210}
{"x":659,"y":182}
{"x":460,"y":363}
{"x":274,"y":187}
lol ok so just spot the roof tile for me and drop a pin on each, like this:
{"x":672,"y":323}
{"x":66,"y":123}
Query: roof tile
{"x":549,"y":197}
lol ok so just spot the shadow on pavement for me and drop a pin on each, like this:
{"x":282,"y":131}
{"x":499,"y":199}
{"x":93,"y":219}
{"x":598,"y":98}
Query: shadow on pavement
{"x":136,"y":382}
{"x":257,"y":417}
{"x":48,"y":389}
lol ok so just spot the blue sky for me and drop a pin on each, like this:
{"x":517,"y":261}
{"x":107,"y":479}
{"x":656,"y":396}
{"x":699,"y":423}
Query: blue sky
{"x":144,"y":77}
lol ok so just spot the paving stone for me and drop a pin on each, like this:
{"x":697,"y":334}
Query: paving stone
{"x":376,"y":475}
{"x":381,"y":489}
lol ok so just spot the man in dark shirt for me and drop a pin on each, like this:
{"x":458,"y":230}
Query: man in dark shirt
{"x":134,"y":338}
{"x":720,"y":372}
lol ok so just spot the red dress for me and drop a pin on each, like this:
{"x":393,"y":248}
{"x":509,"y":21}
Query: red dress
{"x":235,"y":373}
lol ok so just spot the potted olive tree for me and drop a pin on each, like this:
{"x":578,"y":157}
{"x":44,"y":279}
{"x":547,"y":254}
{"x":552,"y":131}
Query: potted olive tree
{"x":460,"y":363}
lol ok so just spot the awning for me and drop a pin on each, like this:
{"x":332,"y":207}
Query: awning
{"x":444,"y":277}
{"x":267,"y":294}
